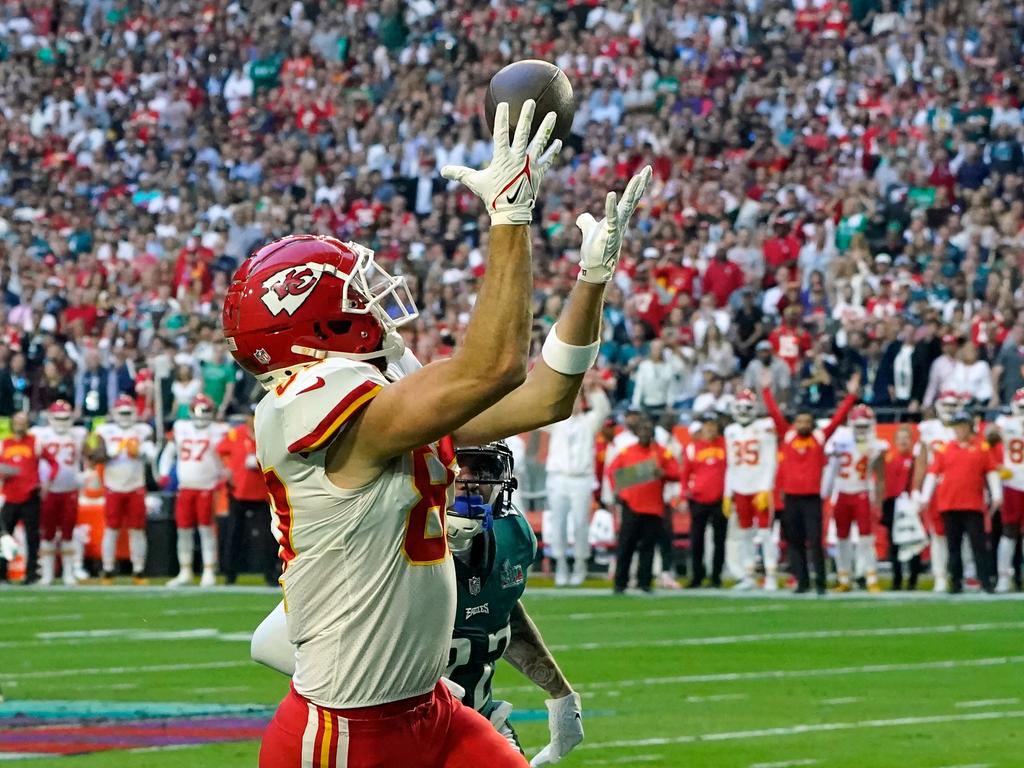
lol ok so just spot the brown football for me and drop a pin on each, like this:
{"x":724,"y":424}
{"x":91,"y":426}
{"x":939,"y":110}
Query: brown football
{"x":533,"y":79}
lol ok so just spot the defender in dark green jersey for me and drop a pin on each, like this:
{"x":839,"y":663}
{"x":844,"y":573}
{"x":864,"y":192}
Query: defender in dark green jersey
{"x":494,"y":547}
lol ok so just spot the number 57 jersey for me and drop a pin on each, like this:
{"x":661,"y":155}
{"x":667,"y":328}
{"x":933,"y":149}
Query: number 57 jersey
{"x":369,"y":584}
{"x":751,"y":460}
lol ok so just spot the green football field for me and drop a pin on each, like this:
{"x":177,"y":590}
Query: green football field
{"x":686,"y":680}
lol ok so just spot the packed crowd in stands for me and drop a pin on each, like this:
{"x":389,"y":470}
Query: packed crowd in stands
{"x":839,"y":186}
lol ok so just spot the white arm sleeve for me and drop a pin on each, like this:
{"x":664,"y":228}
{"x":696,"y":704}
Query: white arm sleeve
{"x":928,"y":488}
{"x":995,"y":488}
{"x":167,"y":458}
{"x":270,"y":645}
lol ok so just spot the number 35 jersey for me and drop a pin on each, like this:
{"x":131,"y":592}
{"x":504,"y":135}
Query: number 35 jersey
{"x":489,"y":586}
{"x":751,"y":457}
{"x":369,"y":584}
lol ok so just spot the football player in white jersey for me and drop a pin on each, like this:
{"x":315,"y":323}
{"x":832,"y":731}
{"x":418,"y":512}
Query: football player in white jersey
{"x":1011,"y":432}
{"x":360,"y":467}
{"x":749,"y":476}
{"x":124,"y":446}
{"x":933,"y":434}
{"x":193,"y":446}
{"x":63,"y":442}
{"x":857,"y":471}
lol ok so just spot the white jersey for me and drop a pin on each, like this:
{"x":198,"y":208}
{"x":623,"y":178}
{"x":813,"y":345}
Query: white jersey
{"x":128,"y":448}
{"x":932,"y":436}
{"x":853,"y":460}
{"x":369,"y":583}
{"x":195,"y":448}
{"x":66,"y":449}
{"x":1012,"y":430}
{"x":751,"y":457}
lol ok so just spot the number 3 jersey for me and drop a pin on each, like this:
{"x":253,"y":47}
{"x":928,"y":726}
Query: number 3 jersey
{"x":751,"y":457}
{"x":66,"y":449}
{"x":489,"y":586}
{"x":1011,"y":428}
{"x":195,"y":449}
{"x":369,"y":584}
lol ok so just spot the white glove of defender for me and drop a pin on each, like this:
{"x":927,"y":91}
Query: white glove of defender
{"x":509,"y":184}
{"x":565,"y":722}
{"x":602,"y":240}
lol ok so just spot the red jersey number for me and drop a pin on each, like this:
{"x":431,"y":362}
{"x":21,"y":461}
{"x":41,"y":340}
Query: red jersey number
{"x":859,"y":470}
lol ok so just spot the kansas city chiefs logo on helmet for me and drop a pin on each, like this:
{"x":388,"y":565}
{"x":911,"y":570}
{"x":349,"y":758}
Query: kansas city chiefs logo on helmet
{"x":287,"y":290}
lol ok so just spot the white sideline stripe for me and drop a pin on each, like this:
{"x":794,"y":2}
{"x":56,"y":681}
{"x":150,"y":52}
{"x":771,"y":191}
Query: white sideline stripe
{"x":843,"y":700}
{"x":972,"y":765}
{"x":47,"y":617}
{"x":538,"y":591}
{"x":786,"y":764}
{"x":817,"y":634}
{"x":797,"y":730}
{"x":780,"y":674}
{"x":78,"y":637}
{"x":5,"y":674}
{"x":674,"y":612}
{"x":985,"y":703}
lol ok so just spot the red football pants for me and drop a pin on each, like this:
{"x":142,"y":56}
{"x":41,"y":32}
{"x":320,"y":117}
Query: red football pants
{"x":747,"y":512}
{"x":193,"y":507}
{"x":853,"y":508}
{"x":125,"y":510}
{"x":430,"y":731}
{"x":58,"y":512}
{"x":1013,"y":506}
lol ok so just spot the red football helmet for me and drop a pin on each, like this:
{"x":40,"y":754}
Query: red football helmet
{"x":1017,"y":404}
{"x":59,"y":416}
{"x":202,"y":410}
{"x":862,"y":419}
{"x":744,"y":407}
{"x":305,"y":298}
{"x":124,"y":411}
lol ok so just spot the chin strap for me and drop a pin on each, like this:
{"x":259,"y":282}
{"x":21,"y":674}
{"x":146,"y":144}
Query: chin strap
{"x":474,"y":507}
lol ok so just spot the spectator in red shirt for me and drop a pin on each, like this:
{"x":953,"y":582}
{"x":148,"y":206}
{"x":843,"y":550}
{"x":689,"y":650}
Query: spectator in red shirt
{"x":802,"y":461}
{"x":899,"y":475}
{"x":782,"y":249}
{"x":703,"y":485}
{"x":247,"y":492}
{"x":789,"y":341}
{"x":722,"y":278}
{"x":637,"y":476}
{"x":958,"y":478}
{"x":20,"y":470}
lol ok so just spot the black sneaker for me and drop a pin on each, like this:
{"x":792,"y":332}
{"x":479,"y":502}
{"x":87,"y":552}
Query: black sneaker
{"x":694,"y":584}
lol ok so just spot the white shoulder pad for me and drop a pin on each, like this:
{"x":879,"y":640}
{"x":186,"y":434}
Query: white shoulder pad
{"x":312,"y":408}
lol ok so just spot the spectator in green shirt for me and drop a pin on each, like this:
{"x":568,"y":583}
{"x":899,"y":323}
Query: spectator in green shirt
{"x":219,"y":378}
{"x":265,"y":70}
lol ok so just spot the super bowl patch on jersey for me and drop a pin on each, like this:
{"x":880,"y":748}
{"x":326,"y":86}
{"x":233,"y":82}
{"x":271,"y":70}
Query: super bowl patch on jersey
{"x":511,"y":575}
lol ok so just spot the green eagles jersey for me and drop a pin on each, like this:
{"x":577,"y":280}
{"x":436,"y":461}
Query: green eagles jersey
{"x":486,"y":597}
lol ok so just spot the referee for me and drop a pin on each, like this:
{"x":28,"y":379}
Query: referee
{"x":958,"y":477}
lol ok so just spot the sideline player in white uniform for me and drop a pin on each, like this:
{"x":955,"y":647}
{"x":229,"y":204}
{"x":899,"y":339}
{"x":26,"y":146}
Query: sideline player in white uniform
{"x":58,"y":513}
{"x":200,"y":470}
{"x":749,"y":477}
{"x":857,"y":458}
{"x":933,"y":434}
{"x":1011,"y":431}
{"x":360,"y":467}
{"x":124,"y":447}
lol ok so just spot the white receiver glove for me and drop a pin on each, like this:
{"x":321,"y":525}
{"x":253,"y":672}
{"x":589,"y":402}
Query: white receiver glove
{"x":602,"y":240}
{"x":565,"y":722}
{"x":509,"y":185}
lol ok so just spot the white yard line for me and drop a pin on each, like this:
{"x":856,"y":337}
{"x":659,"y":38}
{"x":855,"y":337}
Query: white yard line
{"x":675,"y":612}
{"x":979,"y":703}
{"x":816,"y":634}
{"x":781,"y":674}
{"x":48,"y":673}
{"x":841,"y":700}
{"x":786,"y":764}
{"x":716,"y":697}
{"x":628,"y":760}
{"x":803,"y":728}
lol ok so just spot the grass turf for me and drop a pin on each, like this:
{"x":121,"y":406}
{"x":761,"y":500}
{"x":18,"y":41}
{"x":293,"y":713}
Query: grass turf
{"x":681,"y":680}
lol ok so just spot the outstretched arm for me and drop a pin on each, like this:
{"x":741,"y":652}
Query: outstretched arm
{"x":528,"y":654}
{"x":552,"y":386}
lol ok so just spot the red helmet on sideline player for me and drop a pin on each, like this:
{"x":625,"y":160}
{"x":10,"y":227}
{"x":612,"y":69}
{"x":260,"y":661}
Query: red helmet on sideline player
{"x":862,"y":419}
{"x":305,"y":298}
{"x":124,"y":411}
{"x":744,"y":407}
{"x":1017,"y":404}
{"x":202,"y":410}
{"x":59,"y":416}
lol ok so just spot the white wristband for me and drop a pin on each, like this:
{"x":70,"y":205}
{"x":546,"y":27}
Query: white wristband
{"x":565,"y":358}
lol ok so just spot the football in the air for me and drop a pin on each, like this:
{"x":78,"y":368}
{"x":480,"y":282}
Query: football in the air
{"x":533,"y":79}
